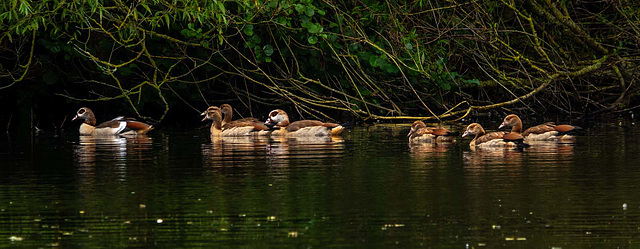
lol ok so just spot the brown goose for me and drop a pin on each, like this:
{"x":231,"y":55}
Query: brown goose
{"x":234,"y":128}
{"x":116,"y":126}
{"x":544,"y":132}
{"x":493,"y":139}
{"x":302,"y":128}
{"x":422,"y":134}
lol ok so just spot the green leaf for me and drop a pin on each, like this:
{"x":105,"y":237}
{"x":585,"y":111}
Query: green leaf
{"x":314,"y":28}
{"x":354,"y":47}
{"x":145,"y":7}
{"x":281,"y":20}
{"x":391,"y":68}
{"x":364,"y":55}
{"x":472,"y":81}
{"x":322,"y":12}
{"x":248,"y":30}
{"x":166,"y":19}
{"x":267,"y":59}
{"x":256,"y":39}
{"x":312,"y":39}
{"x":268,"y":50}
{"x":381,"y":62}
{"x":305,"y":20}
{"x":453,"y":75}
{"x":446,"y":86}
{"x":309,"y":11}
{"x":373,"y":61}
{"x":300,"y":8}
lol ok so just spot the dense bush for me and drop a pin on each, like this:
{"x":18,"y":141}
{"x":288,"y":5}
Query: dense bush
{"x":381,"y":60}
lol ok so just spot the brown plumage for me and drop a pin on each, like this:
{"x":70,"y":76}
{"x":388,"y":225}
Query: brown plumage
{"x":539,"y":129}
{"x":513,"y":137}
{"x":420,"y":132}
{"x":279,"y":118}
{"x":116,"y":126}
{"x":245,"y":123}
{"x":493,"y":139}
{"x":295,"y":126}
{"x":565,"y":128}
{"x":137,"y":125}
{"x":546,"y":131}
{"x":109,"y":124}
{"x":234,"y":128}
{"x":227,"y":112}
{"x":484,"y":138}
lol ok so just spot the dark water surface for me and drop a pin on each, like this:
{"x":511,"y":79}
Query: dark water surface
{"x":370,"y":189}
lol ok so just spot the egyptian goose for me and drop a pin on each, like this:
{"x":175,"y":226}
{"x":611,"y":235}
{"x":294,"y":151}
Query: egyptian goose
{"x":233,"y":128}
{"x":227,"y":113}
{"x":421,"y":133}
{"x":302,"y":128}
{"x":116,"y":126}
{"x":544,"y":132}
{"x":493,"y":139}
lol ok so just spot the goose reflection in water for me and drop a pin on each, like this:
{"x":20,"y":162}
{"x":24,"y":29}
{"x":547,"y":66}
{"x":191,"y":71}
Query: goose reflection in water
{"x":310,"y":151}
{"x":233,"y":151}
{"x":494,"y":156}
{"x":493,"y":174}
{"x":87,"y":149}
{"x":103,"y":160}
{"x":550,"y":151}
{"x":91,"y":149}
{"x":305,"y":147}
{"x":540,"y":151}
{"x":238,"y":151}
{"x":429,"y":149}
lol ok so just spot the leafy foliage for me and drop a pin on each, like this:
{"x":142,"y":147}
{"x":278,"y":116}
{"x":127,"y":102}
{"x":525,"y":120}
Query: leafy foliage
{"x":373,"y":59}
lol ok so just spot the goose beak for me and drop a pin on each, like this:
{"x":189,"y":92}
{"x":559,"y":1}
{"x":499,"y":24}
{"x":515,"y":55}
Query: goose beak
{"x":502,"y":125}
{"x":74,"y":118}
{"x":268,"y":121}
{"x":466,"y":133}
{"x":205,"y":116}
{"x":410,"y":132}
